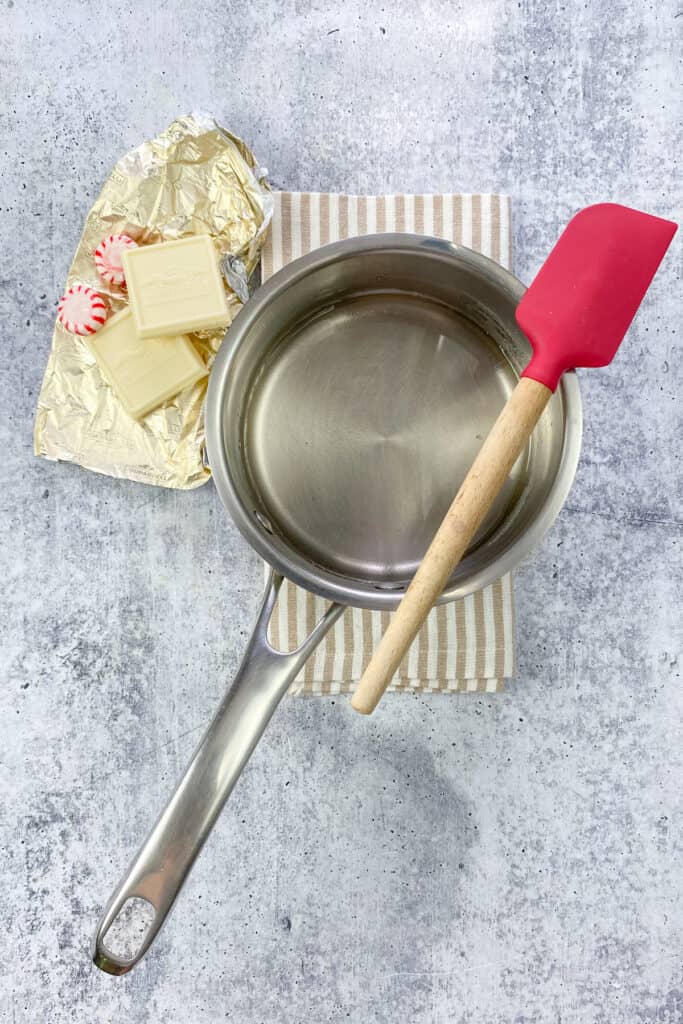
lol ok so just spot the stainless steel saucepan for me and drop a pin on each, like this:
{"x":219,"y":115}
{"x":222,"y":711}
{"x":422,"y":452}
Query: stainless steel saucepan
{"x":345,"y":406}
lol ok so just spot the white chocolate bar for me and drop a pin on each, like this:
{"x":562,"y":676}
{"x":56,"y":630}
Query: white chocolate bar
{"x":144,"y":372}
{"x":175,"y":287}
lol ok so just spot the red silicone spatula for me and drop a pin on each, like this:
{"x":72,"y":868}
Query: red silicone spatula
{"x":575,"y":313}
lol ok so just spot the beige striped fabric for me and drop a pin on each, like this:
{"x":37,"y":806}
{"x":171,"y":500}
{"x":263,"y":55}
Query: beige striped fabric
{"x":465,"y":646}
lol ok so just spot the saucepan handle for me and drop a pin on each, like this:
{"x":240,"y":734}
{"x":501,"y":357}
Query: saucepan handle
{"x":162,"y":864}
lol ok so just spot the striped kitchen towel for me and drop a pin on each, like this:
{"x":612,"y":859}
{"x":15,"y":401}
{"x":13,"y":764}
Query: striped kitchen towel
{"x":464,"y":646}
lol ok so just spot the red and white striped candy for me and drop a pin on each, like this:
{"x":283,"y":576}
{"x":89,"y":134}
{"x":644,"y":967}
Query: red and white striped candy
{"x":81,"y":310}
{"x":108,"y":257}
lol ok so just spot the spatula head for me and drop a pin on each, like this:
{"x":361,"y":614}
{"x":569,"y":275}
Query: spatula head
{"x":580,"y":304}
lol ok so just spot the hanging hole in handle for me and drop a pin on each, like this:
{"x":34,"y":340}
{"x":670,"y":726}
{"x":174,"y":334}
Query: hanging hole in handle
{"x":126,"y":934}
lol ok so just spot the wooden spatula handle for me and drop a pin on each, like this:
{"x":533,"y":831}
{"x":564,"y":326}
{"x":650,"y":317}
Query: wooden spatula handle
{"x":489,"y":471}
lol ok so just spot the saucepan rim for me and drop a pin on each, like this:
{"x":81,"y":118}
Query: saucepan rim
{"x":301,"y":570}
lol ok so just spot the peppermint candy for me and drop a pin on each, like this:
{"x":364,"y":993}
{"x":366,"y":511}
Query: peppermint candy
{"x":81,"y":310}
{"x":108,"y":257}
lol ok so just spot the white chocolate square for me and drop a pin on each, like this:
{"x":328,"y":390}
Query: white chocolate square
{"x":175,"y":287}
{"x":144,"y":372}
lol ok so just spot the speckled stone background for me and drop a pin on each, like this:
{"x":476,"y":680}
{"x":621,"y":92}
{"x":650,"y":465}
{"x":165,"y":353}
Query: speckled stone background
{"x":474,"y":859}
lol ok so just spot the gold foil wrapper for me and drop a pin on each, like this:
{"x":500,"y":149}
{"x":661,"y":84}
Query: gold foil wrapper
{"x":194,"y":178}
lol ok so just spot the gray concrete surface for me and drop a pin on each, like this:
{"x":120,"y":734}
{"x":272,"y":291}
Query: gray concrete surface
{"x":507,"y":859}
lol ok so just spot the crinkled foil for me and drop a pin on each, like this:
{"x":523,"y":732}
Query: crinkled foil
{"x":195,"y":178}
